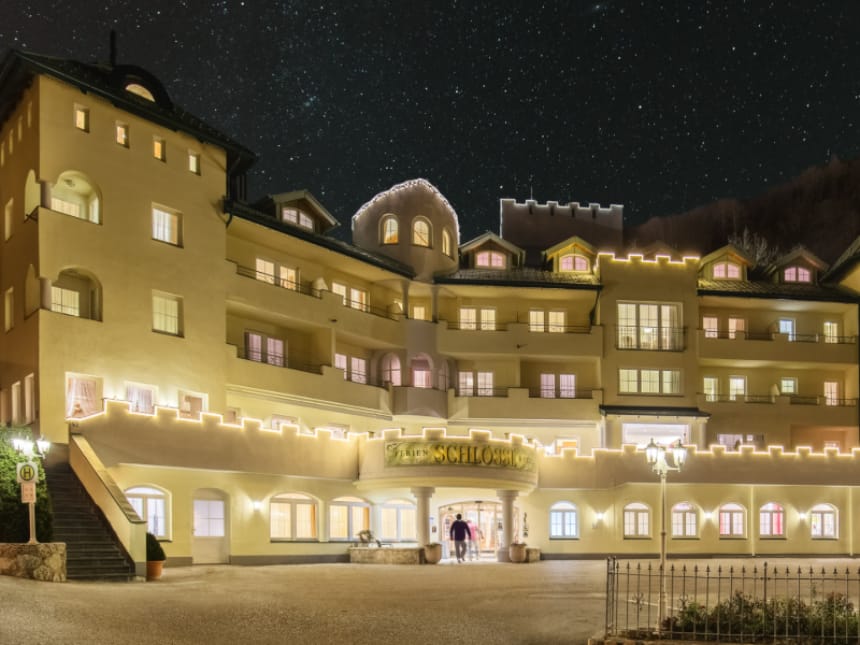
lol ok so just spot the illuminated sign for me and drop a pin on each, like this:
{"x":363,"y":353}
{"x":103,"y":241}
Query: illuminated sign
{"x":450,"y":453}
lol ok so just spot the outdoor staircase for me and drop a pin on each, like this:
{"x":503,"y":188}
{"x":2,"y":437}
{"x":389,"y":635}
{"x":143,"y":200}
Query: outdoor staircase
{"x":92,"y":550}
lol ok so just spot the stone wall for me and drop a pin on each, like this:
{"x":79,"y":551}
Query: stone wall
{"x":386,"y":555}
{"x":46,"y":562}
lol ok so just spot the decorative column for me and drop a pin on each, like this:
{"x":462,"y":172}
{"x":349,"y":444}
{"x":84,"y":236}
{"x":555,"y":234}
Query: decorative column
{"x":404,"y":290}
{"x":422,"y":513}
{"x":507,"y":497}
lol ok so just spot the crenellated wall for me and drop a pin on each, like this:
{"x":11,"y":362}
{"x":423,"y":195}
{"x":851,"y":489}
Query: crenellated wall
{"x":532,"y":225}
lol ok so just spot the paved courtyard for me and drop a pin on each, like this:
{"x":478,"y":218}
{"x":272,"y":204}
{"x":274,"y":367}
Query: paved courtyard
{"x":482,"y":603}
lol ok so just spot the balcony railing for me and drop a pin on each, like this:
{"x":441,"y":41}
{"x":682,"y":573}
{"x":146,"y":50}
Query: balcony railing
{"x":643,"y":337}
{"x":279,"y":361}
{"x":504,"y":326}
{"x":578,"y":393}
{"x":793,"y":399}
{"x":740,"y":334}
{"x":482,"y":391}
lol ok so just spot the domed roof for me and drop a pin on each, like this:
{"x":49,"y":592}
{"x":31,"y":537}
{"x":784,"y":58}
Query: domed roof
{"x":409,"y":185}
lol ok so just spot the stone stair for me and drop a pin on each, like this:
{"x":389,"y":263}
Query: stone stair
{"x":92,"y":550}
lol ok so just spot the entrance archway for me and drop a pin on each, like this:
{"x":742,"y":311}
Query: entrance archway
{"x":484,"y":514}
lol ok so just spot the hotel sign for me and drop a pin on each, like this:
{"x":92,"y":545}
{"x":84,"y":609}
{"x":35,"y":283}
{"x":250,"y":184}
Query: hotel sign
{"x":451,"y":453}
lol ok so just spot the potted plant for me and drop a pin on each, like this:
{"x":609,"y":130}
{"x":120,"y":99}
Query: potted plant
{"x":517,"y":551}
{"x":432,"y":553}
{"x":155,"y":557}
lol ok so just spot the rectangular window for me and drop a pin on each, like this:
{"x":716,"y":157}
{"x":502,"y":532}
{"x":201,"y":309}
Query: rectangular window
{"x":65,"y":301}
{"x":671,"y":381}
{"x":16,"y":402}
{"x":141,"y":398}
{"x":191,"y":404}
{"x":831,"y":393}
{"x":556,"y":321}
{"x":488,"y":319}
{"x":208,"y":518}
{"x":159,"y":149}
{"x":737,"y":388}
{"x":468,"y":318}
{"x":736,"y":328}
{"x":419,"y":313}
{"x":121,"y":134}
{"x":359,"y":370}
{"x":711,"y":326}
{"x":166,"y":225}
{"x":265,"y":271}
{"x":194,"y":163}
{"x":467,"y":384}
{"x":167,"y":314}
{"x":710,"y":388}
{"x":731,"y":523}
{"x":29,"y":398}
{"x":66,"y":207}
{"x":567,"y":386}
{"x":339,"y":289}
{"x":650,"y":326}
{"x":8,"y":219}
{"x":536,"y":320}
{"x":289,"y":277}
{"x":261,"y":348}
{"x":289,"y":215}
{"x":9,"y":309}
{"x":831,"y":331}
{"x":786,"y":326}
{"x":82,"y":118}
{"x":649,"y":381}
{"x":547,"y":386}
{"x":485,"y":384}
{"x":254,"y":346}
{"x":275,"y":352}
{"x":340,"y":363}
{"x":628,"y":381}
{"x":358,"y":299}
{"x":788,"y":385}
{"x":83,"y":395}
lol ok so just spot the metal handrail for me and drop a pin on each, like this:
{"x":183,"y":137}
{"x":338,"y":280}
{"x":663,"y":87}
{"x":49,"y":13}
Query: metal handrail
{"x":665,"y":339}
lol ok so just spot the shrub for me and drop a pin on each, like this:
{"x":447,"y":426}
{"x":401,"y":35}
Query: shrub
{"x":15,"y":524}
{"x":154,"y":551}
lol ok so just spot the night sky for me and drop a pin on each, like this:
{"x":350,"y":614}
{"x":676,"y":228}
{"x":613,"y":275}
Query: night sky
{"x":653,"y":105}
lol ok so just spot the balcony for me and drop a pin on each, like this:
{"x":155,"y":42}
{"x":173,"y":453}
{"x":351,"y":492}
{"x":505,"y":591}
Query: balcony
{"x":523,"y":403}
{"x":652,"y":339}
{"x":420,"y":401}
{"x":739,"y":346}
{"x":781,"y":410}
{"x":518,"y":338}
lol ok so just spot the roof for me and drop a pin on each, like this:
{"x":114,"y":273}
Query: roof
{"x":799,"y":252}
{"x":728,"y":249}
{"x":301,"y":195}
{"x":785,"y":291}
{"x":524,"y":277}
{"x":844,"y":262}
{"x":17,"y":69}
{"x":489,"y":236}
{"x":573,"y":240}
{"x":657,"y":410}
{"x":246,"y":212}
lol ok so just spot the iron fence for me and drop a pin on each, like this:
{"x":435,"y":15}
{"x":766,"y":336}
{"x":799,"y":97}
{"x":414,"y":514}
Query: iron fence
{"x":737,"y":604}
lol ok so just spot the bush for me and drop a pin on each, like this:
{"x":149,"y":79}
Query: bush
{"x":154,"y":552}
{"x":15,"y":516}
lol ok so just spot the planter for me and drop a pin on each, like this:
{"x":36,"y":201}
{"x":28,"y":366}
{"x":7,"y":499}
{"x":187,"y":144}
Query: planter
{"x":153,"y":569}
{"x":432,"y":553}
{"x":517,"y":552}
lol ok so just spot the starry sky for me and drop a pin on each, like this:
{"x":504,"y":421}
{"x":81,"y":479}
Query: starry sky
{"x":659,"y":106}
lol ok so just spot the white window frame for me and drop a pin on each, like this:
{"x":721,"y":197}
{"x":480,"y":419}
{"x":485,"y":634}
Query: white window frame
{"x":824,"y":522}
{"x":711,"y":388}
{"x":468,"y":318}
{"x":547,"y":385}
{"x":636,"y":520}
{"x":831,"y":331}
{"x":711,"y":326}
{"x":422,"y":232}
{"x":556,"y":321}
{"x":563,"y":521}
{"x":771,"y":520}
{"x":731,"y":521}
{"x":737,"y":388}
{"x":685,"y":520}
{"x":399,"y":514}
{"x":390,"y":229}
{"x":142,"y":398}
{"x":167,"y":313}
{"x":166,"y":225}
{"x":65,"y":301}
{"x":356,"y":515}
{"x":484,"y":382}
{"x":293,"y":517}
{"x":153,"y":506}
{"x":831,"y":393}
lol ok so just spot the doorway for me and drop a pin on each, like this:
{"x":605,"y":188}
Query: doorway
{"x":210,"y":541}
{"x":485,"y":515}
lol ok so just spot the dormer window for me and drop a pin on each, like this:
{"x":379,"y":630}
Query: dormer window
{"x":390,"y":229}
{"x":573,"y":262}
{"x":421,"y":232}
{"x":797,"y":274}
{"x":490,"y":260}
{"x":726,"y":271}
{"x":297,"y":218}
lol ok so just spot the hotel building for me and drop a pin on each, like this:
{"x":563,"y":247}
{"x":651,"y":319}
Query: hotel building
{"x":226,"y":374}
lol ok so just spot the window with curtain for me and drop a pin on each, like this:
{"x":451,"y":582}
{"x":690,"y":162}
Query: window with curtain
{"x":390,"y":230}
{"x":684,"y":520}
{"x":637,"y":518}
{"x":348,"y":516}
{"x":731,"y":520}
{"x":293,"y":516}
{"x":771,"y":520}
{"x":141,"y":398}
{"x":391,"y":370}
{"x":563,"y":521}
{"x":83,"y":395}
{"x":823,"y":521}
{"x":151,"y":504}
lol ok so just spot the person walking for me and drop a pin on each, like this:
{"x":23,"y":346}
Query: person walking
{"x":459,"y":532}
{"x":475,"y":541}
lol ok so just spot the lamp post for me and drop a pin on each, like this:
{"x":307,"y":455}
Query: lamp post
{"x":655,"y":455}
{"x":28,"y":475}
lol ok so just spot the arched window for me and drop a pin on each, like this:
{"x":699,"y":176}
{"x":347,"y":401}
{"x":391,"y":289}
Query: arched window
{"x":685,"y":520}
{"x":797,"y":274}
{"x":75,"y":195}
{"x":726,"y":271}
{"x":637,"y":520}
{"x":421,"y":232}
{"x":390,"y":229}
{"x":293,"y":516}
{"x":563,"y":521}
{"x":447,"y":244}
{"x":824,"y":522}
{"x":574,"y":262}
{"x":771,"y":520}
{"x":391,"y":370}
{"x":140,"y":90}
{"x":397,"y":521}
{"x":151,"y":504}
{"x":348,"y":516}
{"x":732,"y":520}
{"x":75,"y":293}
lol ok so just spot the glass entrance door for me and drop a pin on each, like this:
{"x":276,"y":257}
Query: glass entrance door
{"x":486,"y":516}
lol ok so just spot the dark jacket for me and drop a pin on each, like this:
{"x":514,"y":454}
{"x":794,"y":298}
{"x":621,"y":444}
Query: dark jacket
{"x":460,"y":530}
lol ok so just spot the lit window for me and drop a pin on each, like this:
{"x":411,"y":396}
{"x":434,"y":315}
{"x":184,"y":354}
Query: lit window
{"x":305,"y":221}
{"x":74,"y":195}
{"x":797,"y":274}
{"x":536,"y":320}
{"x":339,"y":289}
{"x":710,"y":325}
{"x":83,"y":395}
{"x":567,"y":386}
{"x":121,"y":134}
{"x":786,"y":326}
{"x":737,"y":388}
{"x":485,"y":383}
{"x":264,"y":349}
{"x":649,"y":381}
{"x":391,"y":370}
{"x":637,"y":519}
{"x":191,"y":404}
{"x":288,"y":277}
{"x":289,"y":215}
{"x":652,"y":326}
{"x":573,"y":262}
{"x":340,"y":363}
{"x":466,"y":384}
{"x":468,"y":318}
{"x":490,"y":259}
{"x":65,"y":301}
{"x":159,"y":149}
{"x":151,"y":505}
{"x":488,"y":319}
{"x":16,"y":403}
{"x":194,"y":163}
{"x":389,"y":230}
{"x":726,"y":271}
{"x":167,"y":314}
{"x":788,"y":385}
{"x":208,"y":518}
{"x":265,"y":271}
{"x":9,"y":309}
{"x":771,"y":520}
{"x":347,"y":517}
{"x":710,"y":388}
{"x":82,"y":118}
{"x":419,"y":312}
{"x":831,"y":331}
{"x":823,"y":521}
{"x":397,"y":521}
{"x":141,"y":398}
{"x":831,"y":393}
{"x":556,"y":321}
{"x":358,"y":299}
{"x":731,"y":519}
{"x":447,"y":245}
{"x":358,"y":370}
{"x":8,"y":219}
{"x":422,"y":375}
{"x":139,"y":90}
{"x":29,"y":398}
{"x":421,"y":232}
{"x":547,"y":386}
{"x":293,"y":516}
{"x":684,"y":520}
{"x":736,"y":328}
{"x":563,"y":521}
{"x":166,"y":225}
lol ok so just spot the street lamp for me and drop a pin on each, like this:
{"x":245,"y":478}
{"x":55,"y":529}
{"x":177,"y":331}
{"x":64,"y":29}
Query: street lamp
{"x":655,"y":455}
